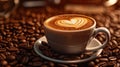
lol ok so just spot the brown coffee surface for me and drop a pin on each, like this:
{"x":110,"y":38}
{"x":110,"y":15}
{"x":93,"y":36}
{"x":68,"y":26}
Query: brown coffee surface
{"x":70,"y":22}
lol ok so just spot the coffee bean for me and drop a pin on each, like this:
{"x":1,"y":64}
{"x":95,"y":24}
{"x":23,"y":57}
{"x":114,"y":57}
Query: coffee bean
{"x":30,"y":31}
{"x":25,"y":46}
{"x":23,"y":40}
{"x":2,"y":50}
{"x":13,"y":63}
{"x":97,"y":60}
{"x":11,"y":57}
{"x":92,"y":63}
{"x":51,"y":64}
{"x":107,"y":24}
{"x":103,"y":59}
{"x":117,"y":65}
{"x":114,"y":17}
{"x":4,"y":62}
{"x":102,"y":64}
{"x":3,"y":56}
{"x":21,"y":37}
{"x":112,"y":63}
{"x":118,"y":47}
{"x":25,"y":59}
{"x":96,"y":66}
{"x":118,"y":26}
{"x":33,"y":39}
{"x":1,"y":38}
{"x":100,"y":24}
{"x":116,"y":51}
{"x":114,"y":42}
{"x":13,"y":49}
{"x":42,"y":31}
{"x":112,"y":58}
{"x":30,"y":23}
{"x":111,"y":30}
{"x":8,"y":66}
{"x":118,"y":60}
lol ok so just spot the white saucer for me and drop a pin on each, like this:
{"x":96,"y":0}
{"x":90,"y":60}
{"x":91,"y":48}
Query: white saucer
{"x":92,"y":44}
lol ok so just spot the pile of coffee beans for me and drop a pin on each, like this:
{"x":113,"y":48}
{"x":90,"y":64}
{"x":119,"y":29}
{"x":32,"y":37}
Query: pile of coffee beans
{"x":19,"y":33}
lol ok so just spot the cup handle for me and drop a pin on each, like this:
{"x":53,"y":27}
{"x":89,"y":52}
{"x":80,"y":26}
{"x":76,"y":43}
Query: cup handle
{"x":107,"y":35}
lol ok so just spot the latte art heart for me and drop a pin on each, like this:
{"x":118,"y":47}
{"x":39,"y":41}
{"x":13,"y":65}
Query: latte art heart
{"x":75,"y":22}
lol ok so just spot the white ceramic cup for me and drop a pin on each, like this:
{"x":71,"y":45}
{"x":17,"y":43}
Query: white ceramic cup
{"x":74,"y":41}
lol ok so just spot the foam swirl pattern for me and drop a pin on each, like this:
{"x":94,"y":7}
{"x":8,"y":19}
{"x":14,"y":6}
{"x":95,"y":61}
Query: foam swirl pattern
{"x":76,"y":22}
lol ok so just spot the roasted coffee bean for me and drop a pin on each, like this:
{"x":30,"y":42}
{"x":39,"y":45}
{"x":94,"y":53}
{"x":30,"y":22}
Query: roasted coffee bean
{"x":118,"y":60}
{"x":21,"y":37}
{"x":2,"y":50}
{"x":3,"y":56}
{"x":96,"y":66}
{"x":114,"y":42}
{"x":8,"y":66}
{"x":92,"y":63}
{"x":11,"y":57}
{"x":97,"y":60}
{"x":107,"y":24}
{"x":51,"y":64}
{"x":30,"y":23}
{"x":25,"y":59}
{"x":4,"y":62}
{"x":112,"y":63}
{"x":118,"y":47}
{"x":42,"y":31}
{"x":102,"y":64}
{"x":111,"y":30}
{"x":13,"y":49}
{"x":33,"y":39}
{"x":23,"y":40}
{"x":116,"y":51}
{"x":13,"y":62}
{"x":25,"y":46}
{"x":112,"y":58}
{"x":117,"y":65}
{"x":1,"y":38}
{"x":30,"y":31}
{"x":103,"y":59}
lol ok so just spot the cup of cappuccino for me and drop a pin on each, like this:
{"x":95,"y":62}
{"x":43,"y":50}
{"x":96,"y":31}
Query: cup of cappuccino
{"x":71,"y":33}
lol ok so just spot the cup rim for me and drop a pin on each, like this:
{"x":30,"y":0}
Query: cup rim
{"x":58,"y":30}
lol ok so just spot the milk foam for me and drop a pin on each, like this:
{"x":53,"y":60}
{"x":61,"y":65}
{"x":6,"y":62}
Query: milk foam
{"x":75,"y":22}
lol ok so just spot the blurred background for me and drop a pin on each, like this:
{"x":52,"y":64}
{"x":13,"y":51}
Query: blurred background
{"x":86,"y":6}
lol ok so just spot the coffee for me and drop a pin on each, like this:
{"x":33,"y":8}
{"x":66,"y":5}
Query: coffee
{"x":69,"y":22}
